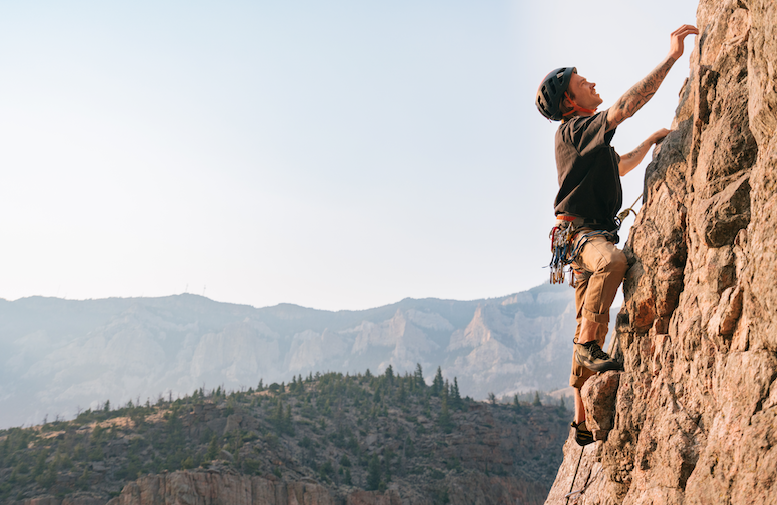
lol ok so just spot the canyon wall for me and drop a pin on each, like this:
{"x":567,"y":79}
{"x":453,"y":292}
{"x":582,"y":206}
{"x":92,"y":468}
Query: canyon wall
{"x":693,"y":419}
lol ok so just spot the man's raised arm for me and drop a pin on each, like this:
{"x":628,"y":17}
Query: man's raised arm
{"x":640,"y":93}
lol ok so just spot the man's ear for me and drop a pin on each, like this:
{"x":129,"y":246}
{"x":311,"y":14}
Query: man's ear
{"x":567,"y":105}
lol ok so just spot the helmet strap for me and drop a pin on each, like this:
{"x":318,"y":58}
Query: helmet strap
{"x":576,"y":108}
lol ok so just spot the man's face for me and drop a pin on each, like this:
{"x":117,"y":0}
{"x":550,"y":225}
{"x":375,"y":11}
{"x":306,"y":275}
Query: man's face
{"x":584,"y":92}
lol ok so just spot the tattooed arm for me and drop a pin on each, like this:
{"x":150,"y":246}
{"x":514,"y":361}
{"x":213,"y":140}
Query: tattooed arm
{"x":640,"y":93}
{"x":630,"y":160}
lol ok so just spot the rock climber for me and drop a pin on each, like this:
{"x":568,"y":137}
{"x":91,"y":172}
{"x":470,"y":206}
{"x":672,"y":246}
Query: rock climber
{"x":588,"y":200}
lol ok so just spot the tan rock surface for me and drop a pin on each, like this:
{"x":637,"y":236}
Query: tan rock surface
{"x":215,"y":488}
{"x":695,"y":413}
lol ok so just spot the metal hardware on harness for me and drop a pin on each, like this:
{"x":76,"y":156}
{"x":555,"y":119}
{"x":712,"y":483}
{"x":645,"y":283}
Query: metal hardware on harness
{"x":562,"y":237}
{"x":566,"y":242}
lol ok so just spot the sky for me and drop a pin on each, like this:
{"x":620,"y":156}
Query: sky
{"x":335,"y":155}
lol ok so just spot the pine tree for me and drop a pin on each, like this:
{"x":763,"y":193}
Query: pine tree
{"x":213,"y":448}
{"x":348,"y":480}
{"x":456,"y":401}
{"x":437,"y":383}
{"x":419,"y":376}
{"x":402,"y":393}
{"x":288,"y":426}
{"x":389,"y":373}
{"x":277,"y":416}
{"x":373,"y":474}
{"x":536,"y":402}
{"x":445,"y":422}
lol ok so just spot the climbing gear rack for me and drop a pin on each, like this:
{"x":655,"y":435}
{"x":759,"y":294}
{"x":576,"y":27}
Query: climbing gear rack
{"x":566,"y":242}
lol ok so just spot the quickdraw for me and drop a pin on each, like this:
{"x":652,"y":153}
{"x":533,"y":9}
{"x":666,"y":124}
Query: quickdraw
{"x":562,"y":238}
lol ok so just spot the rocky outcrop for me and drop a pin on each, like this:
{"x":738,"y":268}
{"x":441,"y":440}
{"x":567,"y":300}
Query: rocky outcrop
{"x":216,"y":488}
{"x":695,"y":413}
{"x":71,"y":500}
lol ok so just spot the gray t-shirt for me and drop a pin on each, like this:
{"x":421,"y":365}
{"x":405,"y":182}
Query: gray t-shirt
{"x":588,"y":179}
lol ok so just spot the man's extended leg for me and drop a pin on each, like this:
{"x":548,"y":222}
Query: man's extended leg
{"x":601,"y":267}
{"x":579,"y":407}
{"x":580,"y":375}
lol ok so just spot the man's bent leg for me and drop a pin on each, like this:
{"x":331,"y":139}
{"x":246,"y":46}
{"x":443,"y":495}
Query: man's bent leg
{"x":588,"y":331}
{"x":583,"y":435}
{"x":607,"y":265}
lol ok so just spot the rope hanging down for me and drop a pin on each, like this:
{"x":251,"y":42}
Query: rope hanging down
{"x":566,"y":243}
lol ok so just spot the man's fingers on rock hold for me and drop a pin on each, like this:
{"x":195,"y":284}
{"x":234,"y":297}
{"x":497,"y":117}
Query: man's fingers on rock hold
{"x":660,"y":135}
{"x":685,"y":30}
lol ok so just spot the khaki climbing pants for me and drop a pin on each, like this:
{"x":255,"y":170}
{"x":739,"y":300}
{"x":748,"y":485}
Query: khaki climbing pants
{"x":599,"y":271}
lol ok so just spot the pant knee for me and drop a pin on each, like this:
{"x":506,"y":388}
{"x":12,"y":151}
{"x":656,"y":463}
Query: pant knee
{"x":616,"y":263}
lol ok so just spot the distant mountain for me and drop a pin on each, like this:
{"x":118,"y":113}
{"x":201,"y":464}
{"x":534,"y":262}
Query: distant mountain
{"x":57,"y":356}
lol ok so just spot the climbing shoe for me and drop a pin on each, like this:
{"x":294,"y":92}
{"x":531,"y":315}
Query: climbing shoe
{"x":583,"y":437}
{"x":591,"y":356}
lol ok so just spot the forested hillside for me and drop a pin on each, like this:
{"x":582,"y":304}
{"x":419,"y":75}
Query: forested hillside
{"x":365,"y":435}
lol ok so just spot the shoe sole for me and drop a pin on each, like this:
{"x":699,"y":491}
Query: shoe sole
{"x":602,"y":366}
{"x":584,"y":440}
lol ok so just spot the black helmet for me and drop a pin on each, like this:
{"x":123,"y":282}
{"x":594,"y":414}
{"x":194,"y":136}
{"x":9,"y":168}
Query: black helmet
{"x":552,"y":90}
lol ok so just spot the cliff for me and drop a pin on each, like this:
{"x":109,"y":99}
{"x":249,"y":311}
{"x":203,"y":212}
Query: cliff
{"x":693,"y":419}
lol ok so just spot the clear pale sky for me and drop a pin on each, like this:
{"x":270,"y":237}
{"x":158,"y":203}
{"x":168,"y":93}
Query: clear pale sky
{"x":336,"y":155}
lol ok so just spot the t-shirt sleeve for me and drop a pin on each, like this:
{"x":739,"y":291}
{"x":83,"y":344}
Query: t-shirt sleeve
{"x":589,"y":133}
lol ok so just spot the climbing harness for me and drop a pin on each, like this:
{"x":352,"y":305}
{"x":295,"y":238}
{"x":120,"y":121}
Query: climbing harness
{"x":566,"y":242}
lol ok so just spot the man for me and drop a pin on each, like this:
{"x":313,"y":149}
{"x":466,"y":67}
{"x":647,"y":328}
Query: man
{"x":588,"y":200}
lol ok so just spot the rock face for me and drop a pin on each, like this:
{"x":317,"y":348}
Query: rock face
{"x":695,"y":413}
{"x":215,"y":488}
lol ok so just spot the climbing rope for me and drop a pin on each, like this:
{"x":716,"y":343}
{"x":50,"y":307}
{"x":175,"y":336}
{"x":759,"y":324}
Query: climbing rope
{"x":622,"y":215}
{"x":584,"y":488}
{"x":570,"y":493}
